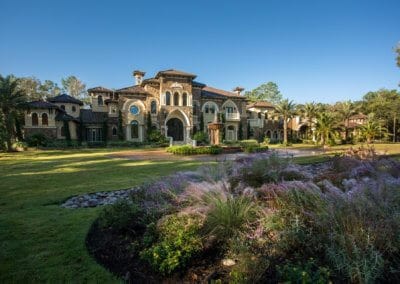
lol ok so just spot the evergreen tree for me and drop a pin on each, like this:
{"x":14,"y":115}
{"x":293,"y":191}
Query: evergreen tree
{"x":105,"y":131}
{"x":240,"y":134}
{"x":120,"y":127}
{"x":67,"y":132}
{"x":149,"y":125}
{"x":201,"y":122}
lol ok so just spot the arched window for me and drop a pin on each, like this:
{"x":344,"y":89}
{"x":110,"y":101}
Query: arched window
{"x":184,"y":99}
{"x":45,"y":119}
{"x":100,"y":100}
{"x":210,"y":107}
{"x":207,"y":109}
{"x":195,"y":109}
{"x":62,"y":107}
{"x":73,"y":108}
{"x":62,"y":131}
{"x":114,"y":131}
{"x":168,"y":98}
{"x":153,"y":107}
{"x":134,"y":129}
{"x":35,"y":120}
{"x":176,"y":99}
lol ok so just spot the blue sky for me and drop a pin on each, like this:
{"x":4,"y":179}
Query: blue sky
{"x":315,"y":50}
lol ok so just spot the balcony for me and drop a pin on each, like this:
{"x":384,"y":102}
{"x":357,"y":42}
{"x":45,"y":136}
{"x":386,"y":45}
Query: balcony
{"x":256,"y":122}
{"x":232,"y":116}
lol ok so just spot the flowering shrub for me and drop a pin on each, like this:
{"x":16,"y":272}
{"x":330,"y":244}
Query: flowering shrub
{"x":179,"y":241}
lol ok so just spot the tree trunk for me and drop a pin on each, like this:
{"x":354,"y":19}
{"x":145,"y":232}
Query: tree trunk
{"x":285,"y":130}
{"x":9,"y":129}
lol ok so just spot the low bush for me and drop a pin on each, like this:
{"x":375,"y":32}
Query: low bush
{"x":303,"y":272}
{"x":19,"y":146}
{"x":155,"y":137}
{"x":255,"y":149}
{"x":244,"y":143}
{"x":178,"y":241}
{"x":190,"y":150}
{"x":201,"y":138}
{"x":124,"y":144}
{"x":61,"y":144}
{"x":122,"y":215}
{"x":36,"y":140}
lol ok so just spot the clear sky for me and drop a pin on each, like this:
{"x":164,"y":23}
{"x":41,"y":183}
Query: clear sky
{"x":315,"y":50}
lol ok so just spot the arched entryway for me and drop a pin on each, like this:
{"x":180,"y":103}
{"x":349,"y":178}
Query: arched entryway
{"x":175,"y":129}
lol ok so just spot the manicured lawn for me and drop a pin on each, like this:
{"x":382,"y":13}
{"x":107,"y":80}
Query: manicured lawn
{"x":40,"y":241}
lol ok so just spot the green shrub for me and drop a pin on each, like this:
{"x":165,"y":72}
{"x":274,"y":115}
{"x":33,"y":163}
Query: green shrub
{"x":229,"y":216}
{"x":121,"y":215}
{"x":178,"y":241}
{"x":156,"y":137}
{"x":190,"y":150}
{"x":19,"y":146}
{"x":255,"y":149}
{"x":303,"y":272}
{"x":36,"y":140}
{"x":201,"y":138}
{"x":124,"y":144}
{"x":62,"y":144}
{"x":245,"y":143}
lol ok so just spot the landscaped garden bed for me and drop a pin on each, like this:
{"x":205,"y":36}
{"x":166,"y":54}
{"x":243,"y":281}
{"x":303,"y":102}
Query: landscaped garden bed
{"x":260,"y":218}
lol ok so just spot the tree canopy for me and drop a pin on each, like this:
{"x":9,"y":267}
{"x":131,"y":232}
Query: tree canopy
{"x":74,"y":87}
{"x":265,"y":92}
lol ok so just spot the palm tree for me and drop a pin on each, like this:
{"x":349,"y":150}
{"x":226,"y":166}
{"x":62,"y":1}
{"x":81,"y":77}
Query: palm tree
{"x":346,"y":110}
{"x":11,"y":99}
{"x":325,"y":127}
{"x":371,"y":129}
{"x":309,"y":111}
{"x":286,"y":109}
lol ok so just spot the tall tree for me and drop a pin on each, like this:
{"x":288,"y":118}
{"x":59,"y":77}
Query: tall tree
{"x":371,"y":129}
{"x":12,"y":99}
{"x":286,"y":109}
{"x":120,"y":126}
{"x":74,"y":87}
{"x":35,"y":90}
{"x":265,"y":92}
{"x":346,"y":110}
{"x":325,"y":127}
{"x":309,"y":112}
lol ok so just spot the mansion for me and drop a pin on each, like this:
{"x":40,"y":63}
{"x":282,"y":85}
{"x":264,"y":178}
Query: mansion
{"x":173,"y":101}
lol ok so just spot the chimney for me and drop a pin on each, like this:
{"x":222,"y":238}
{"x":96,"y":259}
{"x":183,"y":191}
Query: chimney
{"x":238,"y":90}
{"x":138,"y":76}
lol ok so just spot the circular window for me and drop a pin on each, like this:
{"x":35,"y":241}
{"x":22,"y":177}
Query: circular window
{"x":134,"y":110}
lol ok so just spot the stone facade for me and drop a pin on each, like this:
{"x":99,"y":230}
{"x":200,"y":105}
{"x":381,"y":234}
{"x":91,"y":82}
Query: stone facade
{"x":175,"y":102}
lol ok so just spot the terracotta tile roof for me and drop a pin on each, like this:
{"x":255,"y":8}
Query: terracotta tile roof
{"x":90,"y":117}
{"x":211,"y":92}
{"x":358,"y":116}
{"x":100,"y":89}
{"x":174,"y":72}
{"x":198,"y":84}
{"x":261,"y":104}
{"x":64,"y":98}
{"x":41,"y":104}
{"x":151,"y":81}
{"x":132,"y":90}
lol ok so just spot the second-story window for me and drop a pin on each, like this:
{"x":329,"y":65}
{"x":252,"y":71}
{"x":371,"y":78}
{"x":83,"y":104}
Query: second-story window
{"x":73,"y":108}
{"x":184,"y":99}
{"x":168,"y":98}
{"x":45,"y":119}
{"x":153,"y":107}
{"x":176,"y":99}
{"x":100,"y":100}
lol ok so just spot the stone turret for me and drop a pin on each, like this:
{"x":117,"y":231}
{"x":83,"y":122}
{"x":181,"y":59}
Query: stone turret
{"x":138,"y":76}
{"x":238,"y":90}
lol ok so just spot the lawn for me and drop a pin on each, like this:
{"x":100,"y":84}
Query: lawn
{"x":40,"y":241}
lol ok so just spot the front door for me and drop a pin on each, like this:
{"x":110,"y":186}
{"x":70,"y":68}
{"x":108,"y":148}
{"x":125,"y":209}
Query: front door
{"x":175,"y":129}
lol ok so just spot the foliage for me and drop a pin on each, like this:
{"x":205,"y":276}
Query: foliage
{"x":240,"y":131}
{"x":201,"y":138}
{"x":309,"y":111}
{"x":120,"y":127}
{"x":229,"y":215}
{"x":190,"y":150}
{"x":124,"y":144}
{"x":371,"y":129}
{"x":179,"y":240}
{"x":202,"y":122}
{"x":105,"y":131}
{"x":265,"y":92}
{"x":75,"y":87}
{"x":346,"y":110}
{"x":308,"y":272}
{"x":12,"y":99}
{"x":67,"y":132}
{"x":36,"y":140}
{"x":157,"y":138}
{"x":36,"y":90}
{"x":121,"y":215}
{"x":287,"y":110}
{"x":149,"y":125}
{"x":325,"y":127}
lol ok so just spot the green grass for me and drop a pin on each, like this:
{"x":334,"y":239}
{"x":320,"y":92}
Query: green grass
{"x":39,"y":240}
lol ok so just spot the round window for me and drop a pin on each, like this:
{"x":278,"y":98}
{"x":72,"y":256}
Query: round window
{"x":134,"y":110}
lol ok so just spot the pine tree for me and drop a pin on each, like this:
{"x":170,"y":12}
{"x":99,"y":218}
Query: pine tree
{"x":120,"y":127}
{"x":149,"y":125}
{"x":240,"y":131}
{"x":67,"y":132}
